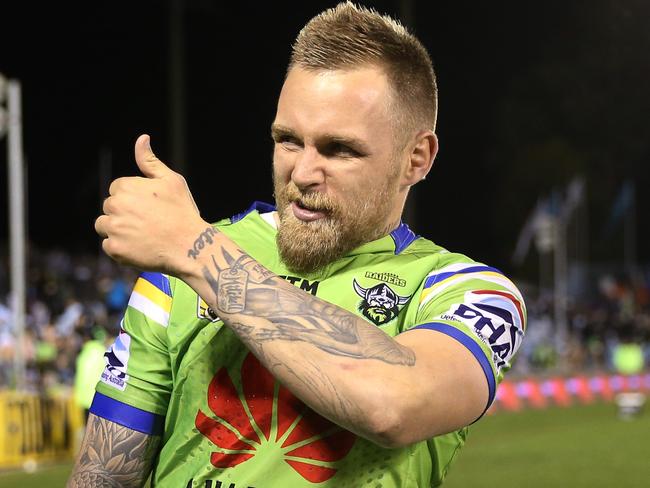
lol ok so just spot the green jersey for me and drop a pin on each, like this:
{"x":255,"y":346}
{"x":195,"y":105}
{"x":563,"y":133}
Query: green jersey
{"x":177,"y":371}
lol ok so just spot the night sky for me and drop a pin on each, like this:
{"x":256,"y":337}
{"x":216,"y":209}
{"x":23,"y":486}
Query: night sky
{"x":531,"y":95}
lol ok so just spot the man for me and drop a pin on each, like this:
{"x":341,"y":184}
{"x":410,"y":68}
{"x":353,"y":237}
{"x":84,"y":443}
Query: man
{"x":322,"y":343}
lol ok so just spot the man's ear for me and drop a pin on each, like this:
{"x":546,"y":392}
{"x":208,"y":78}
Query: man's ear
{"x":424,"y":148}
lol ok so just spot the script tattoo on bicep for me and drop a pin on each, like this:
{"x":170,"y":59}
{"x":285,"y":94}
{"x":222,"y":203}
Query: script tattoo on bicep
{"x":113,"y":456}
{"x":245,"y":287}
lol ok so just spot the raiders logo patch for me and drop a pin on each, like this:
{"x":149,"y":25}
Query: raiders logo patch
{"x":379,"y":304}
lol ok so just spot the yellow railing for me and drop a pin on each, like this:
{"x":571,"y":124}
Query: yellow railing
{"x":38,"y":428}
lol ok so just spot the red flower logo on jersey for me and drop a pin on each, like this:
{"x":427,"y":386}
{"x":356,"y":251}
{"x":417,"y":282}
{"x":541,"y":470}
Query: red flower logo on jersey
{"x":265,"y":415}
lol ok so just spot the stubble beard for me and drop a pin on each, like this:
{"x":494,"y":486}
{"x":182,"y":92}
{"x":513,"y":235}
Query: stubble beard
{"x":306,"y":247}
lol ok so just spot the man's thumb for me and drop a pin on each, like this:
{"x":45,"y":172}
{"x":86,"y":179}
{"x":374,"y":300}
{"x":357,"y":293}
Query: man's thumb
{"x":149,"y":164}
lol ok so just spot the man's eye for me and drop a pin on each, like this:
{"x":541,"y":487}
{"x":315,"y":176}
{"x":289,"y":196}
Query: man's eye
{"x":341,"y":150}
{"x":288,"y":142}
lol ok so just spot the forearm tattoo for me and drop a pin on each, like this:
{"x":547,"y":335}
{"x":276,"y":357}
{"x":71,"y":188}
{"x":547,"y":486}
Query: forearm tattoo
{"x":113,"y":456}
{"x":262,"y":309}
{"x":205,"y":238}
{"x":243,"y":286}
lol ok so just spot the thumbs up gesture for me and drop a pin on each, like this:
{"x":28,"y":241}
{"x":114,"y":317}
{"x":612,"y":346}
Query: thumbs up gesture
{"x":149,"y":222}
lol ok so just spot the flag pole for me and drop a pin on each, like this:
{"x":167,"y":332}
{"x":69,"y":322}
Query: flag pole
{"x":560,"y":287}
{"x":16,"y":189}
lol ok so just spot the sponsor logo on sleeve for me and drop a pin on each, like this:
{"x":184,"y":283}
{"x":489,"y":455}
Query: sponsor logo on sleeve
{"x":494,"y":320}
{"x":117,"y":359}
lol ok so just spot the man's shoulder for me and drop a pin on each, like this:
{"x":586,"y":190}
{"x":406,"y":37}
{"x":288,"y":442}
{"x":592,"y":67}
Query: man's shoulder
{"x":450,"y":271}
{"x":424,"y":247}
{"x":439,"y":257}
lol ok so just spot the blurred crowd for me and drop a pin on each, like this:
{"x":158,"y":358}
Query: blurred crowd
{"x":73,"y":299}
{"x":612,"y":320}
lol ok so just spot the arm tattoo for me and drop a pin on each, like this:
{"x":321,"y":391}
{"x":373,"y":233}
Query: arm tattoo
{"x":200,"y":242}
{"x":243,"y":286}
{"x":113,"y":456}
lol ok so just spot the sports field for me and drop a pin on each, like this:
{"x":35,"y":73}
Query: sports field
{"x":576,"y":447}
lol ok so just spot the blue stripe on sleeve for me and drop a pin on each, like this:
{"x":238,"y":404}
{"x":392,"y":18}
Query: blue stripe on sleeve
{"x":126,"y":415}
{"x":158,"y":280}
{"x":431,"y":280}
{"x":473,"y":347}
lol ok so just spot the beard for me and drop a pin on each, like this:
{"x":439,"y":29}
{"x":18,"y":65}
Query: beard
{"x":306,"y":247}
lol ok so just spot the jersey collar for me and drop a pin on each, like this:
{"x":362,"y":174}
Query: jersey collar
{"x":400,"y":238}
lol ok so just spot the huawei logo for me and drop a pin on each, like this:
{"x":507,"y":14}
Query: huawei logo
{"x":263,"y":417}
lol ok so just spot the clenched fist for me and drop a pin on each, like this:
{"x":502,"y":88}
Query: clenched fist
{"x":149,"y":222}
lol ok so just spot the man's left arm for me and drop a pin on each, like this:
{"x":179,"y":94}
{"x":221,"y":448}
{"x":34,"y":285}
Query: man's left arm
{"x":392,"y":391}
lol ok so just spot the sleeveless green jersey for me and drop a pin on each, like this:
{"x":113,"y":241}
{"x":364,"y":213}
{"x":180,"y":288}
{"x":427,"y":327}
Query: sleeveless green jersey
{"x":177,"y":371}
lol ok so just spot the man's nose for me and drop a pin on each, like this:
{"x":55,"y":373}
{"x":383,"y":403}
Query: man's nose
{"x":309,"y":169}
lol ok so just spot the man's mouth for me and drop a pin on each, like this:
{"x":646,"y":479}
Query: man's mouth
{"x":305,"y":212}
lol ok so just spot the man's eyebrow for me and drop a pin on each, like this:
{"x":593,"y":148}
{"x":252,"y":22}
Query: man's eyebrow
{"x":281,"y":130}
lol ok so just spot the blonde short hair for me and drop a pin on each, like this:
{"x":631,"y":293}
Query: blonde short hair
{"x":349,"y":36}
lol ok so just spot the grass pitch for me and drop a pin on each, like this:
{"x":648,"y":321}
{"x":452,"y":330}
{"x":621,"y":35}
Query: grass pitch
{"x":576,"y":447}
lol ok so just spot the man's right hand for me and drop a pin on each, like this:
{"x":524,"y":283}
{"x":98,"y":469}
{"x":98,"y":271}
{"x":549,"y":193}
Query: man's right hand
{"x":149,"y":222}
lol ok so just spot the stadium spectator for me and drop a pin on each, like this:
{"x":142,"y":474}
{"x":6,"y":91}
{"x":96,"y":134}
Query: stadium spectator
{"x":54,"y":276}
{"x":354,"y":130}
{"x":68,"y":320}
{"x":628,"y":359}
{"x":89,"y":366}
